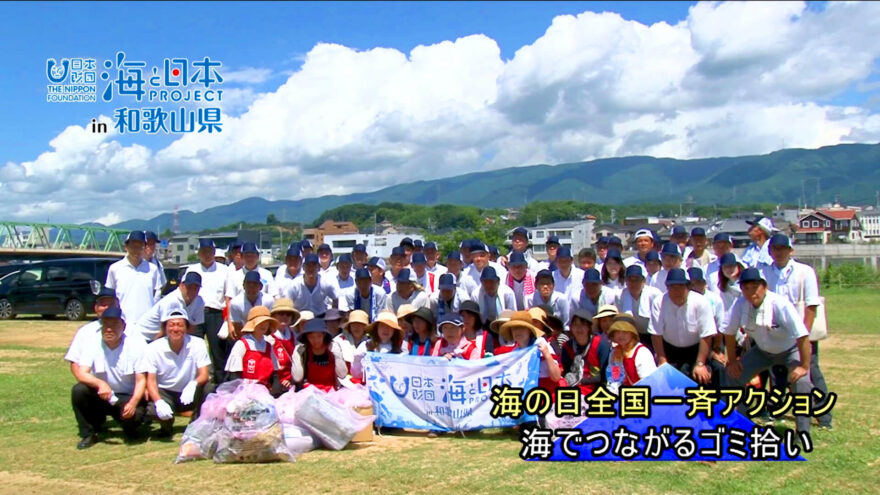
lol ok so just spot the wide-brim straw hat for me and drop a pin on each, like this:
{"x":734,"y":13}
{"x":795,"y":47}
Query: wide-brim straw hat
{"x":388,"y":318}
{"x":606,"y":310}
{"x":405,"y":310}
{"x":540,"y":314}
{"x":504,"y":317}
{"x":623,"y":323}
{"x":304,"y":316}
{"x":285,"y":305}
{"x":256,"y":316}
{"x":519,"y":319}
{"x":357,"y":316}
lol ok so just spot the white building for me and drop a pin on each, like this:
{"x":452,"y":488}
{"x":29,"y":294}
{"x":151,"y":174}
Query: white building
{"x":870,"y":220}
{"x":573,"y":234}
{"x":377,"y":245}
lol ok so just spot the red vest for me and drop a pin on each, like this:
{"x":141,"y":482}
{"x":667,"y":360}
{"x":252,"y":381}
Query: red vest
{"x":283,"y":349}
{"x":629,"y":365}
{"x":591,"y":360}
{"x":322,"y":376}
{"x":466,"y":354}
{"x":257,"y":365}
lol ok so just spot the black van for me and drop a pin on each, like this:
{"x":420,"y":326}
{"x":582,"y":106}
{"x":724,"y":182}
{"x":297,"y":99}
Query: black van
{"x":49,"y":288}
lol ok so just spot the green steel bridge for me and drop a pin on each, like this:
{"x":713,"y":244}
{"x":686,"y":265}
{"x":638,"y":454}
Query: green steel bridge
{"x":33,"y":241}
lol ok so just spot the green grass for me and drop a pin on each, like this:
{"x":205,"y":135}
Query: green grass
{"x":37,"y":448}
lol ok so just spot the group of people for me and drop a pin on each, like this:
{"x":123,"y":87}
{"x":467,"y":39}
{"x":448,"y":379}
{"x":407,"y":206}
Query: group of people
{"x":605,"y":320}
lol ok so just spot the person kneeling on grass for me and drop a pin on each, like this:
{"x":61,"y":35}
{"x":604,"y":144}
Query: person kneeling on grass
{"x":252,"y":357}
{"x":630,"y":359}
{"x":177,"y":371}
{"x":110,"y":380}
{"x":454,"y":344}
{"x":317,"y":359}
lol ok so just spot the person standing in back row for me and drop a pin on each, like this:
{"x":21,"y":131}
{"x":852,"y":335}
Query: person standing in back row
{"x":135,"y":280}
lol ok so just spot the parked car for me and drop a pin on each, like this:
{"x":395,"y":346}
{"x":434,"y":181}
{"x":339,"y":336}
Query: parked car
{"x":173,"y":274}
{"x":49,"y":288}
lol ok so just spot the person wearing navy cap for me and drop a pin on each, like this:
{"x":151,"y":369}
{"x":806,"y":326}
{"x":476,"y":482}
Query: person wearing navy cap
{"x":314,"y":292}
{"x":683,"y":331}
{"x":493,"y":296}
{"x":464,"y":249}
{"x":426,"y":279}
{"x":431,"y":255}
{"x":408,"y":247}
{"x":407,"y":291}
{"x":722,"y":244}
{"x":519,"y":242}
{"x":725,"y":282}
{"x":234,"y":256}
{"x":454,"y":344}
{"x":480,"y":261}
{"x":325,"y":260}
{"x":396,"y":262}
{"x":601,"y":251}
{"x":520,"y":279}
{"x":289,"y":271}
{"x":699,"y":256}
{"x":448,"y":298}
{"x":778,"y":334}
{"x":365,"y":297}
{"x":670,"y":258}
{"x":545,"y":294}
{"x":376,"y":266}
{"x":136,"y":281}
{"x":679,"y":236}
{"x":418,"y":246}
{"x":110,"y":380}
{"x":89,"y":333}
{"x":251,"y":296}
{"x":652,"y":265}
{"x":150,"y":254}
{"x":697,"y":283}
{"x":213,"y":294}
{"x":149,"y":325}
{"x":593,"y":293}
{"x":344,"y":279}
{"x":757,"y":255}
{"x":643,"y":240}
{"x":494,"y":254}
{"x":641,"y":301}
{"x":306,"y":247}
{"x":567,"y":278}
{"x":797,"y":282}
{"x":455,"y":266}
{"x":250,"y":255}
{"x":359,"y":256}
{"x":614,"y":242}
{"x":551,"y":245}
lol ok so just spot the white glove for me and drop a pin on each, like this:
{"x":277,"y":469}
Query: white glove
{"x":113,"y":399}
{"x":188,"y":393}
{"x":163,"y":410}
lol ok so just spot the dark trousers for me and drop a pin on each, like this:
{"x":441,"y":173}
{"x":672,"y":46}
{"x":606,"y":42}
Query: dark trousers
{"x":91,"y":411}
{"x":780,"y":379}
{"x":218,"y":348}
{"x":684,"y":358}
{"x":173,"y":400}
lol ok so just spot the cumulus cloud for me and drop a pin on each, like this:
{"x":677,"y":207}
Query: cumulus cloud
{"x":730,"y":79}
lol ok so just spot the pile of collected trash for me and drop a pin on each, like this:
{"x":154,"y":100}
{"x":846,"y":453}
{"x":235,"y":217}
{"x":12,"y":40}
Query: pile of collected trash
{"x":242,"y":423}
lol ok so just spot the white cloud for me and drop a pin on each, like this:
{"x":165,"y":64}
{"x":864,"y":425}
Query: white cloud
{"x":731,"y":79}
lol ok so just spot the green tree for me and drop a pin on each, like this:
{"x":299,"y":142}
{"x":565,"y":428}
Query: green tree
{"x":271,"y":219}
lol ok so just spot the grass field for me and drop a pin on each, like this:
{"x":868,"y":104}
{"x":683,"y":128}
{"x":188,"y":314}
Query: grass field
{"x":38,"y":454}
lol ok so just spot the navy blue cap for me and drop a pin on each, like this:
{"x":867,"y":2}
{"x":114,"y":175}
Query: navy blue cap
{"x":430,"y":245}
{"x":780,"y":240}
{"x":377,"y":262}
{"x":698,"y":231}
{"x":592,"y":275}
{"x":634,"y":271}
{"x":106,"y":292}
{"x":564,"y":252}
{"x":728,"y":259}
{"x":404,"y":276}
{"x":478,"y":246}
{"x":447,"y":281}
{"x":489,"y":274}
{"x":294,"y":250}
{"x":234,"y":246}
{"x":454,"y":255}
{"x":398,"y":251}
{"x":450,"y":318}
{"x":249,"y":247}
{"x":517,"y":258}
{"x":614,"y":254}
{"x":652,"y":255}
{"x":696,"y":274}
{"x":751,"y":275}
{"x":418,"y":243}
{"x":192,"y":278}
{"x":315,"y":325}
{"x":252,"y":276}
{"x":359,"y":248}
{"x":206,"y":243}
{"x":602,"y":240}
{"x":723,"y":237}
{"x":676,"y":276}
{"x":136,"y":235}
{"x":362,"y":273}
{"x":614,"y":240}
{"x":494,"y":250}
{"x":344,"y":258}
{"x":419,"y":258}
{"x":306,"y":244}
{"x":544,"y":273}
{"x":151,"y":236}
{"x":310,"y":258}
{"x":323,"y":247}
{"x":679,"y":230}
{"x":553,"y":239}
{"x":407,"y":242}
{"x":112,"y":312}
{"x":671,"y":248}
{"x":520,"y":231}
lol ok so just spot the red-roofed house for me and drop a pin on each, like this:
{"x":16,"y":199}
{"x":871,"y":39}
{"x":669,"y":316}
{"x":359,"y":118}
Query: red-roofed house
{"x":827,"y":224}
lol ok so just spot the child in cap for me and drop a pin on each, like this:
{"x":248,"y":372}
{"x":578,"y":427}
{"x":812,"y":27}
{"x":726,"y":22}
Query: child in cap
{"x":630,"y":359}
{"x":454,"y":344}
{"x":423,"y":334}
{"x":317,"y":361}
{"x":285,"y":314}
{"x":585,"y":356}
{"x":251,"y":357}
{"x":386,"y":336}
{"x":354,"y":333}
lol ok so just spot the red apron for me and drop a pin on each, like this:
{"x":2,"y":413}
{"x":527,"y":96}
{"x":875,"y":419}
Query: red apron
{"x":591,"y":360}
{"x":318,"y":375}
{"x":257,"y":365}
{"x":283,"y":349}
{"x":629,"y":365}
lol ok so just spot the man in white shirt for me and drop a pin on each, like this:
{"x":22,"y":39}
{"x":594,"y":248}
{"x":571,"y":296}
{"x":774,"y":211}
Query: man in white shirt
{"x":87,"y":335}
{"x":289,"y":271}
{"x":644,"y":242}
{"x":240,"y":305}
{"x":699,"y":256}
{"x":640,"y":300}
{"x":151,"y":255}
{"x":480,"y":256}
{"x":545,"y":294}
{"x":454,"y":266}
{"x":359,"y":257}
{"x":325,"y":260}
{"x":683,"y":330}
{"x":377,"y":266}
{"x":110,"y":381}
{"x":186,"y":296}
{"x":424,"y":278}
{"x":344,"y":277}
{"x":551,"y":245}
{"x":251,"y":257}
{"x":313,"y":292}
{"x":448,"y":298}
{"x":722,"y":244}
{"x":779,"y":335}
{"x":797,"y":282}
{"x":757,"y":255}
{"x":405,"y":292}
{"x":366,"y":297}
{"x":213,"y":293}
{"x":519,"y":279}
{"x":567,"y":278}
{"x":431,"y":255}
{"x":136,"y":281}
{"x":593,"y":293}
{"x":670,"y":258}
{"x":177,"y":371}
{"x":492,"y":296}
{"x":519,"y":243}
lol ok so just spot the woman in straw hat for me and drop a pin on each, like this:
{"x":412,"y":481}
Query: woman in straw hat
{"x":285,"y":314}
{"x":495,"y":343}
{"x":604,"y":318}
{"x":386,"y":335}
{"x":354,"y":333}
{"x":424,"y":332}
{"x":251,"y":357}
{"x":630,"y":359}
{"x":317,"y":361}
{"x":522,"y":330}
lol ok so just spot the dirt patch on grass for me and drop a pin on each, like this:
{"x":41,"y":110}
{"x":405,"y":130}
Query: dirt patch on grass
{"x":38,"y":333}
{"x":25,"y":483}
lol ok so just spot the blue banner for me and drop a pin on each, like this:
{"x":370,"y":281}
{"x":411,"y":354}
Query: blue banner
{"x":428,"y":393}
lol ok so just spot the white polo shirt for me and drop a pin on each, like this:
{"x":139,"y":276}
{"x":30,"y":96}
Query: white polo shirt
{"x":559,"y":303}
{"x":786,"y":324}
{"x":235,"y":281}
{"x":686,"y":325}
{"x":213,"y":291}
{"x":418,"y":298}
{"x":437,"y":269}
{"x":119,"y":366}
{"x":371,"y":305}
{"x":793,"y":280}
{"x":283,"y":280}
{"x":582,"y":301}
{"x":471,"y":272}
{"x":174,"y":370}
{"x":504,"y":299}
{"x":137,"y":287}
{"x":150,"y":323}
{"x":647,"y":306}
{"x":314,"y":299}
{"x":566,"y":285}
{"x":240,"y":306}
{"x":83,"y":340}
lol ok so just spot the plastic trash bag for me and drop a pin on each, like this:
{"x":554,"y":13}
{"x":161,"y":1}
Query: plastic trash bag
{"x":332,"y":424}
{"x":251,"y":431}
{"x":286,"y":406}
{"x":351,"y":396}
{"x":199,"y":440}
{"x":299,"y":440}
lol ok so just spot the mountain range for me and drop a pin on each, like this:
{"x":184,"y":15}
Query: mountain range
{"x":849,"y":173}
